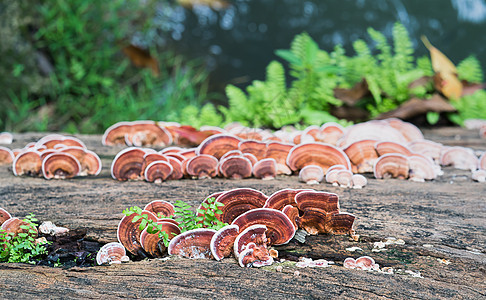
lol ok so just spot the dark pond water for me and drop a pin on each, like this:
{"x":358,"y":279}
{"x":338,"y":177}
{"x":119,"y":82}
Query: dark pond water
{"x":239,"y":41}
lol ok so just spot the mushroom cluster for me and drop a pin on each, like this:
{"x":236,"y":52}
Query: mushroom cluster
{"x":55,"y":156}
{"x":14,"y":226}
{"x":256,"y":223}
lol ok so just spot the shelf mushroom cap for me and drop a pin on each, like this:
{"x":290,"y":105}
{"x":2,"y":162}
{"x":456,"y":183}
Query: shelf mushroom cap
{"x":128,"y":232}
{"x":280,"y":229}
{"x":259,"y":149}
{"x":6,"y":155}
{"x":128,"y":164}
{"x":255,"y":256}
{"x":265,"y":169}
{"x":252,"y":234}
{"x":320,"y":154}
{"x":111,"y":253}
{"x":217,"y":145}
{"x":195,"y":243}
{"x":28,"y":163}
{"x":222,"y":241}
{"x":60,"y":166}
{"x":162,"y":207}
{"x":4,"y":216}
{"x":311,"y":174}
{"x":362,"y":154}
{"x":158,"y":171}
{"x":239,"y":201}
{"x":235,"y":167}
{"x":281,"y":198}
{"x":392,"y":165}
{"x":153,"y":244}
{"x":202,"y":166}
{"x":460,"y":158}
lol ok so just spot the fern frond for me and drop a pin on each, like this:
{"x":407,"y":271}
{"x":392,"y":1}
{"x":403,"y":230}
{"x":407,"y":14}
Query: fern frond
{"x":238,"y":103}
{"x":276,"y":76}
{"x":470,"y":107}
{"x":209,"y":116}
{"x":425,"y":65}
{"x":403,"y":48}
{"x":469,"y":69}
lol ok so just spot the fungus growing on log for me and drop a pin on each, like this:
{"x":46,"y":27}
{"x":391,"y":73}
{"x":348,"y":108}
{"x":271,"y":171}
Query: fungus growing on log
{"x":128,"y":232}
{"x":311,"y":174}
{"x":323,"y":155}
{"x":421,"y":168}
{"x":6,"y":138}
{"x":111,"y":253}
{"x":279,"y":152}
{"x":254,"y":256}
{"x":265,"y":169}
{"x":128,"y":164}
{"x":4,"y":215}
{"x":90,"y":162}
{"x":158,"y":171}
{"x":252,"y":234}
{"x":176,"y":164}
{"x":235,"y":167}
{"x":239,"y":201}
{"x":259,"y":149}
{"x":153,"y":244}
{"x":391,"y":166}
{"x":358,"y":181}
{"x":6,"y":156}
{"x":194,"y":243}
{"x":160,"y":208}
{"x":202,"y":166}
{"x":281,"y":198}
{"x":60,"y":166}
{"x":362,"y":154}
{"x":460,"y":158}
{"x":385,"y":147}
{"x":223,"y":240}
{"x":293,"y":213}
{"x":28,"y":163}
{"x":280,"y":229}
{"x":218,"y":144}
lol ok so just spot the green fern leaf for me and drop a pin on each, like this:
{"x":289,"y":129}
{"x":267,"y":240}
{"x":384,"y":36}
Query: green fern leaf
{"x":469,"y":69}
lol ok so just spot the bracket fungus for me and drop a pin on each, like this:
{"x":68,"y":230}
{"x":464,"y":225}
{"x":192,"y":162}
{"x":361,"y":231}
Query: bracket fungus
{"x":111,"y":253}
{"x":385,"y":147}
{"x":14,"y":226}
{"x":158,"y":171}
{"x":344,"y":178}
{"x":392,"y":165}
{"x":176,"y":164}
{"x":265,"y":169}
{"x":323,"y":155}
{"x":281,"y":198}
{"x":293,"y":213}
{"x":153,"y":244}
{"x":223,"y":240}
{"x":362,"y":263}
{"x":195,"y":243}
{"x":239,"y":201}
{"x":280,"y":229}
{"x":202,"y":166}
{"x":6,"y":155}
{"x":259,"y":149}
{"x":28,"y":163}
{"x":362,"y":154}
{"x":128,"y":164}
{"x":311,"y":174}
{"x":235,"y":167}
{"x":218,"y":144}
{"x":279,"y":152}
{"x":255,"y":256}
{"x":160,"y":208}
{"x":371,"y":130}
{"x":252,"y":234}
{"x":479,"y":175}
{"x":60,"y":165}
{"x":6,"y":138}
{"x":421,"y":168}
{"x":359,"y":181}
{"x":90,"y":162}
{"x":4,"y":215}
{"x":128,"y":232}
{"x":428,"y":148}
{"x":460,"y":158}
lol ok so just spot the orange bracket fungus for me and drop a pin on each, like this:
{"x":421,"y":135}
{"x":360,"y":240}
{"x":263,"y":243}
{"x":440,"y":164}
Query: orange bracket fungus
{"x":323,"y":155}
{"x":158,"y":171}
{"x":259,"y":149}
{"x":153,"y":244}
{"x":391,"y":166}
{"x":60,"y":165}
{"x":252,"y":234}
{"x":421,"y":168}
{"x":239,"y":201}
{"x":385,"y":147}
{"x":363,"y":155}
{"x":128,"y":232}
{"x":279,"y":152}
{"x":90,"y":162}
{"x":254,"y":256}
{"x":202,"y":166}
{"x":28,"y":163}
{"x":193,"y":243}
{"x":427,"y":148}
{"x":217,"y":145}
{"x":265,"y":169}
{"x":281,"y":198}
{"x":6,"y":155}
{"x":293,"y":213}
{"x":128,"y":164}
{"x":460,"y":158}
{"x":344,"y":178}
{"x":14,"y":226}
{"x":311,"y":174}
{"x":4,"y":215}
{"x":111,"y":253}
{"x":280,"y":229}
{"x":160,"y":208}
{"x":235,"y":167}
{"x":222,"y":241}
{"x":176,"y":173}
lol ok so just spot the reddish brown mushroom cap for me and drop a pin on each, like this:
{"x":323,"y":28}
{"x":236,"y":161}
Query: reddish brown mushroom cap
{"x":194,"y":243}
{"x":6,"y":155}
{"x":460,"y":158}
{"x":150,"y":158}
{"x":231,"y":153}
{"x":115,"y":134}
{"x":13,"y":226}
{"x":4,"y":215}
{"x":427,"y":148}
{"x":239,"y":201}
{"x":362,"y":154}
{"x":222,"y":241}
{"x":327,"y":202}
{"x":408,"y":130}
{"x":160,"y":208}
{"x":176,"y":169}
{"x":279,"y":152}
{"x":189,"y":153}
{"x":202,"y":166}
{"x":372,"y":130}
{"x":214,"y":195}
{"x":385,"y":147}
{"x":259,"y":149}
{"x":265,"y":169}
{"x":60,"y":166}
{"x":128,"y":164}
{"x":252,"y":234}
{"x":217,"y":145}
{"x":281,"y":198}
{"x":90,"y":162}
{"x":148,"y":133}
{"x":153,"y":244}
{"x":28,"y":162}
{"x":311,"y":174}
{"x":323,"y":155}
{"x":68,"y":141}
{"x":330,"y":133}
{"x":235,"y":167}
{"x":421,"y":168}
{"x":186,"y":135}
{"x":128,"y":232}
{"x":280,"y":228}
{"x":255,"y":256}
{"x":317,"y":221}
{"x":391,"y":166}
{"x":111,"y":253}
{"x":158,"y":171}
{"x":293,"y":213}
{"x":252,"y":158}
